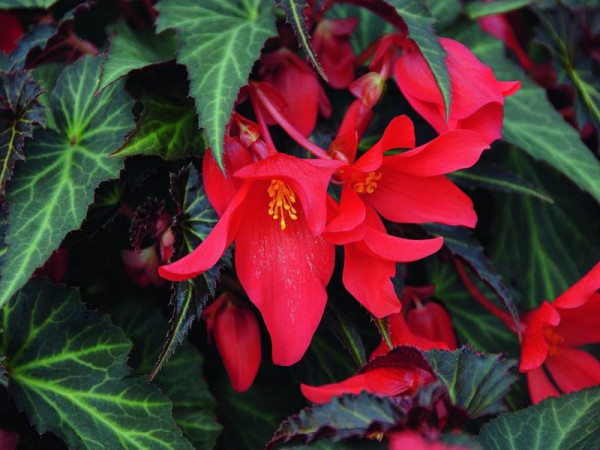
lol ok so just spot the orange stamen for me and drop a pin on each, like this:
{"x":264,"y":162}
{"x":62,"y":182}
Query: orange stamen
{"x":554,"y":340}
{"x":369,"y":184}
{"x":283,"y":201}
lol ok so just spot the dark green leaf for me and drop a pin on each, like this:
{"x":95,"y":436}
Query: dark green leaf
{"x":496,"y":178}
{"x":36,"y":37}
{"x":419,"y":21}
{"x":50,"y":192}
{"x":344,"y":417}
{"x":167,"y":128}
{"x":294,"y":15}
{"x":473,"y":324}
{"x":481,"y":8}
{"x":531,"y":122}
{"x":134,"y":50}
{"x":47,"y":75}
{"x":543,"y":248}
{"x":461,"y":243}
{"x":7,"y":4}
{"x":566,"y":423}
{"x":477,"y":383}
{"x":444,"y":11}
{"x":218,"y":42}
{"x":67,"y":369}
{"x":20,"y":112}
{"x":181,"y":378}
{"x":195,"y":220}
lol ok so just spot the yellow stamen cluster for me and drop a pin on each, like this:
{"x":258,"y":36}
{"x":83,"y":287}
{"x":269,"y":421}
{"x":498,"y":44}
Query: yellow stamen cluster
{"x":554,"y":340}
{"x":369,"y":184}
{"x":283,"y":201}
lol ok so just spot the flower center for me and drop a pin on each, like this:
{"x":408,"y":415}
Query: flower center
{"x":368,"y":184}
{"x":283,"y":199}
{"x":554,"y":340}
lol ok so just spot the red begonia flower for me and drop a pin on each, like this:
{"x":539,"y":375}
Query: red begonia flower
{"x":413,"y":440}
{"x":477,"y":97}
{"x":11,"y":31}
{"x":552,"y":333}
{"x":498,"y":26}
{"x":237,"y":336}
{"x":275,"y":217}
{"x":411,"y":187}
{"x":388,"y":375}
{"x":299,"y":87}
{"x":331,"y":42}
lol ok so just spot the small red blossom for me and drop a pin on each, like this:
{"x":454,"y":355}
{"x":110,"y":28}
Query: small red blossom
{"x":331,"y":42}
{"x":553,"y":333}
{"x":498,"y":26}
{"x":237,"y":336}
{"x":11,"y":31}
{"x":297,"y":84}
{"x":477,"y":96}
{"x":413,"y":440}
{"x":275,"y":210}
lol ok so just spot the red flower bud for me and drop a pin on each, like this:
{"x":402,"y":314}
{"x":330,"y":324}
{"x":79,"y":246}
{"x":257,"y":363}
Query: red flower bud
{"x":331,"y":41}
{"x":11,"y":31}
{"x":431,"y":321}
{"x":237,"y":336}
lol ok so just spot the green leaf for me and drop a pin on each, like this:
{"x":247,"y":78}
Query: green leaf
{"x":556,"y":243}
{"x":50,"y":192}
{"x":8,"y":4}
{"x":134,"y":50}
{"x":496,"y":178}
{"x":444,"y":11}
{"x":181,"y":378}
{"x":461,"y":243}
{"x":370,"y":25}
{"x":344,"y":417}
{"x":218,"y":42}
{"x":294,"y":15}
{"x":479,"y":9}
{"x":531,"y":122}
{"x":473,"y":324}
{"x":569,"y":422}
{"x":477,"y":383}
{"x":20,"y":112}
{"x":419,"y":21}
{"x":196,"y":218}
{"x":37,"y":36}
{"x":67,"y":369}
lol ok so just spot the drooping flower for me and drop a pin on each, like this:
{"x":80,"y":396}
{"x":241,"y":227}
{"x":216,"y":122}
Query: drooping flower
{"x":11,"y":31}
{"x":298,"y":86}
{"x":235,"y":330}
{"x":477,"y":96}
{"x":331,"y":42}
{"x":401,"y":372}
{"x":498,"y":26}
{"x":550,"y":357}
{"x":274,"y":209}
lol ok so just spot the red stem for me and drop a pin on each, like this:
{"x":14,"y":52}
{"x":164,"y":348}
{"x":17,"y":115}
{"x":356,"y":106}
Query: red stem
{"x":483,"y":300}
{"x":262,"y":123}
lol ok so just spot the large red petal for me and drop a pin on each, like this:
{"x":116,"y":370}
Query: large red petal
{"x":284,"y":272}
{"x":581,"y":291}
{"x":451,"y":151}
{"x":401,"y":334}
{"x":324,"y":393}
{"x":540,"y":387}
{"x":408,"y":199}
{"x":535,"y":347}
{"x":367,"y":278}
{"x":221,"y":187}
{"x":308,"y":178}
{"x":351,"y":213}
{"x":211,"y":249}
{"x":398,"y":249}
{"x":574,"y":369}
{"x":580,"y":326}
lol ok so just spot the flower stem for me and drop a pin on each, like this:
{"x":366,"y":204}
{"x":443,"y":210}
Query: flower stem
{"x":384,"y":331}
{"x":262,"y":123}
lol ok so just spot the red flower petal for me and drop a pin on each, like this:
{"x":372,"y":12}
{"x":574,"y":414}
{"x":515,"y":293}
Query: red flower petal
{"x":412,"y":440}
{"x":540,"y":387}
{"x":408,"y":199}
{"x":357,"y":119}
{"x":284,"y":272}
{"x":308,"y":178}
{"x":535,"y":347}
{"x":451,"y":151}
{"x":211,"y":249}
{"x":580,"y":326}
{"x":331,"y":43}
{"x":11,"y":31}
{"x":433,"y":322}
{"x":349,"y":215}
{"x":573,"y":370}
{"x":581,"y":292}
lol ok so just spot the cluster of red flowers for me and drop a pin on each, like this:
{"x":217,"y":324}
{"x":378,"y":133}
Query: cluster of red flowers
{"x":279,"y":210}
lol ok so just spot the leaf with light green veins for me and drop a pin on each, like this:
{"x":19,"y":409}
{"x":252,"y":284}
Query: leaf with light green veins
{"x":20,"y":112}
{"x":134,"y":50}
{"x":419,"y":21}
{"x":8,"y":4}
{"x":67,"y":369}
{"x":51,"y":191}
{"x":218,"y":42}
{"x":476,"y":383}
{"x":570,"y":422}
{"x":530,"y":121}
{"x":167,"y":128}
{"x":181,"y":378}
